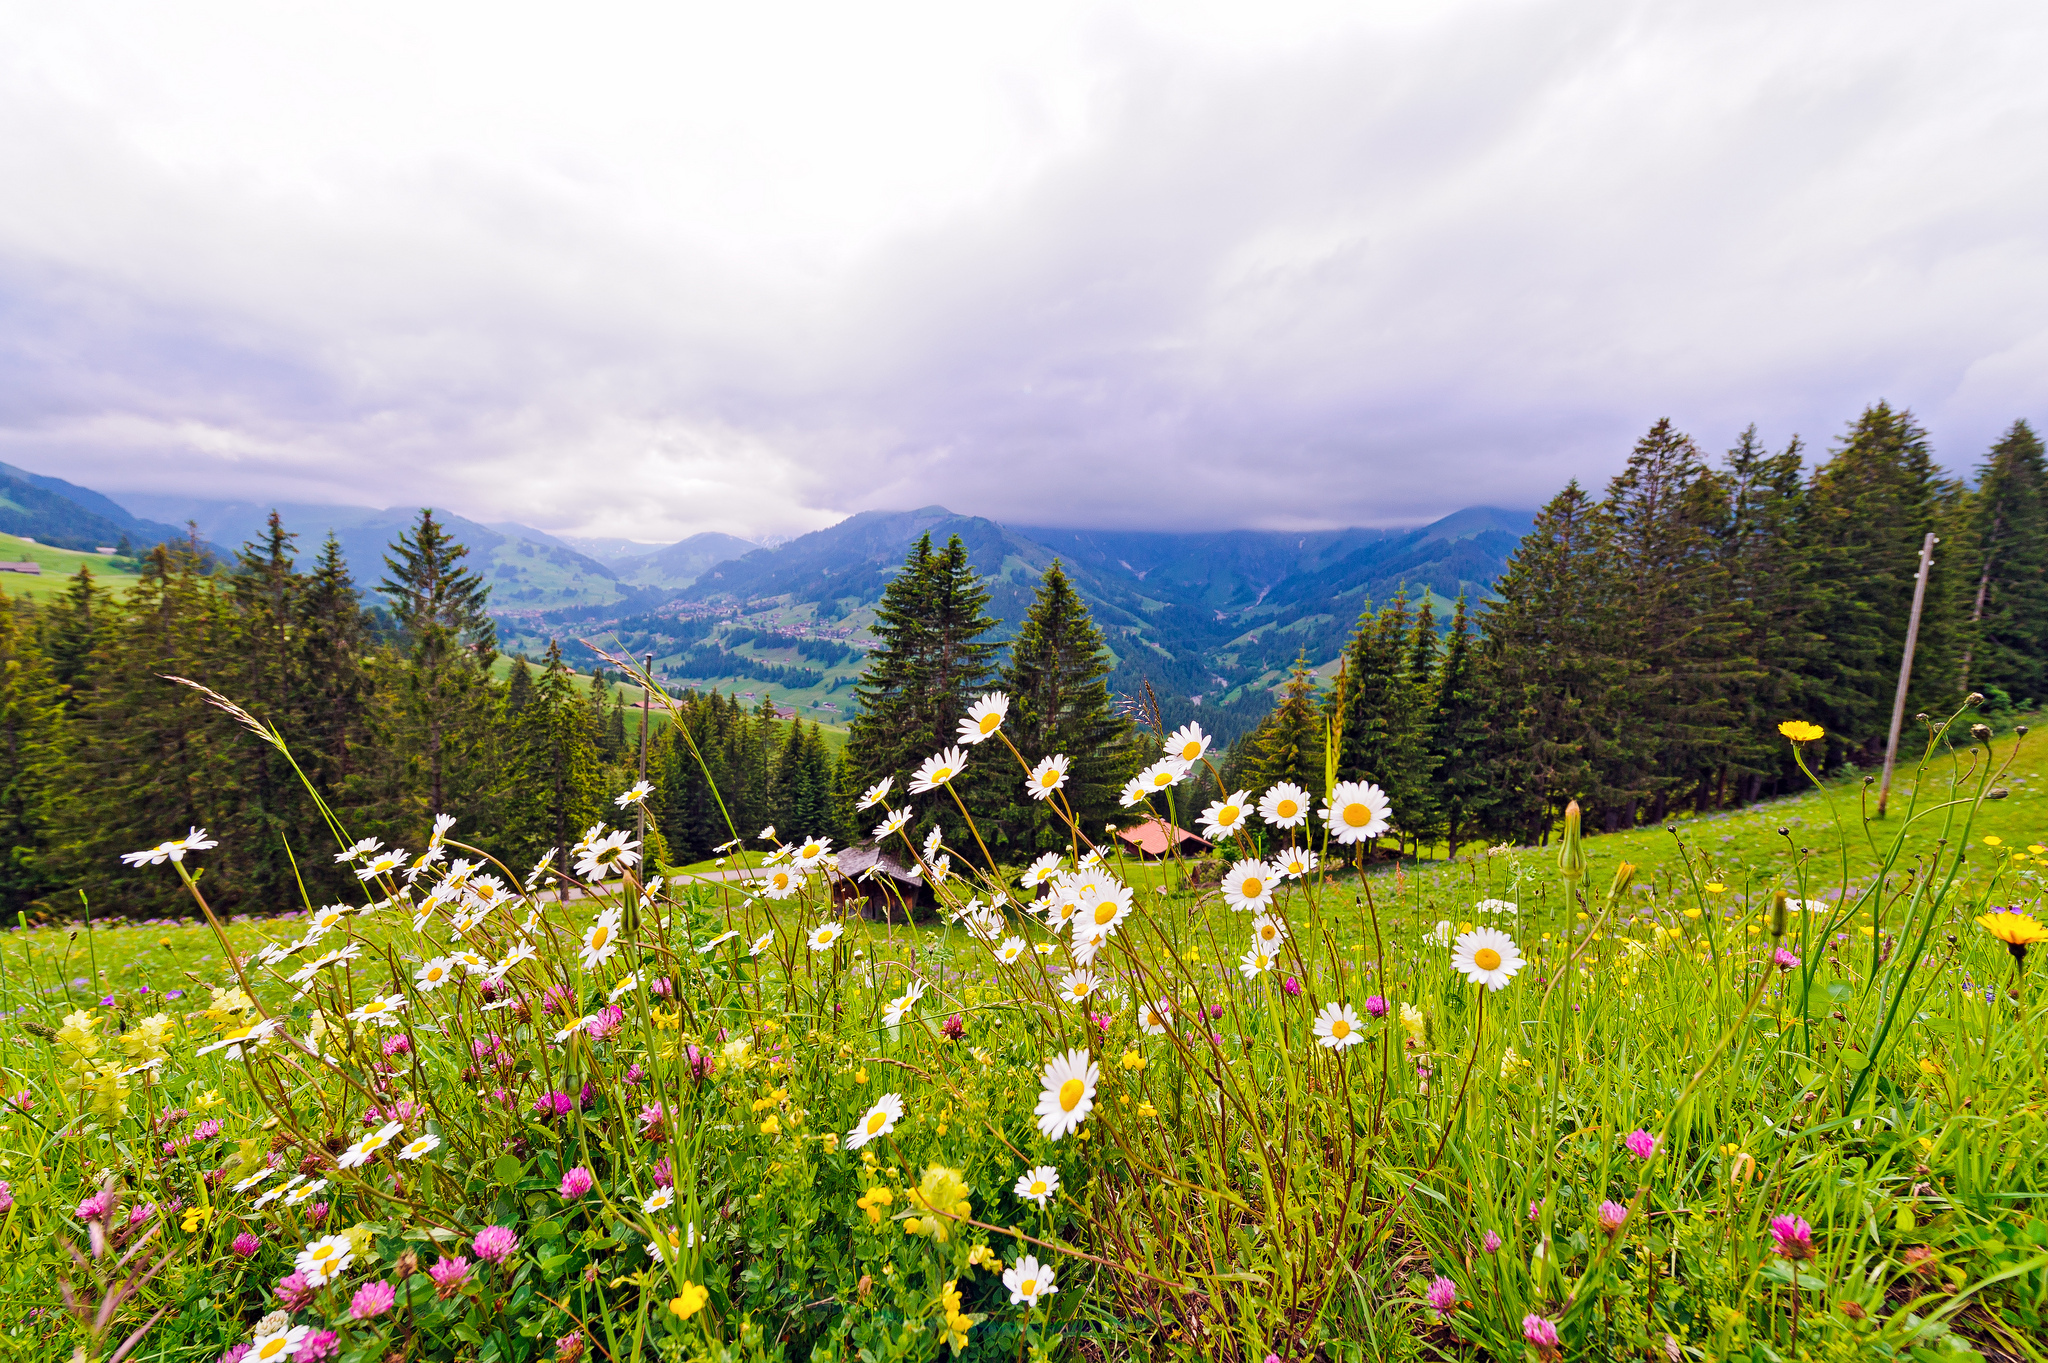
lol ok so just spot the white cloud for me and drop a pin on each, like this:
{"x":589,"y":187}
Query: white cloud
{"x":639,"y":270}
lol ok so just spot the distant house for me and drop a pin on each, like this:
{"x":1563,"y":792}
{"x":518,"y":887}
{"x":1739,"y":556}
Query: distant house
{"x":784,"y":712}
{"x":1154,"y":838}
{"x":884,"y":887}
{"x":28,"y":566}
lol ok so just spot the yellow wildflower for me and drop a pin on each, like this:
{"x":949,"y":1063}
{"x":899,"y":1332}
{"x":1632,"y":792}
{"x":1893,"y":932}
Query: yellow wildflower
{"x":1799,"y":731}
{"x":1133,"y":1061}
{"x":690,"y":1300}
{"x":874,"y":1200}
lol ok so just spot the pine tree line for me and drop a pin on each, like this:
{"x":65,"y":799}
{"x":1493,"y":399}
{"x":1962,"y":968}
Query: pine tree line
{"x":1645,"y":643}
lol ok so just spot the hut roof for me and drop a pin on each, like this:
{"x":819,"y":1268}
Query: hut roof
{"x":1152,"y":837}
{"x":866,"y":856}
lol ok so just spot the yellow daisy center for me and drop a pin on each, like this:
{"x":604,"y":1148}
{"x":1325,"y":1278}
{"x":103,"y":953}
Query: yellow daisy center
{"x":1268,"y":932}
{"x":1070,"y":1095}
{"x":1029,"y":1287}
{"x":1486,"y":958}
{"x":876,"y":1121}
{"x":274,"y":1347}
{"x":943,"y":774}
{"x":990,"y":722}
{"x":1105,"y":911}
{"x":1037,"y":1186}
{"x":1228,"y":816}
{"x":1287,"y":808}
{"x":322,"y":1253}
{"x":1190,"y":751}
{"x":599,"y":935}
{"x":1357,"y":815}
{"x":1340,"y":1029}
{"x":1252,"y":887}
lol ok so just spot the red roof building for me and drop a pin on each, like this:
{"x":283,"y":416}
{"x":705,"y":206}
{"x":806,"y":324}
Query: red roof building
{"x":1153,"y":838}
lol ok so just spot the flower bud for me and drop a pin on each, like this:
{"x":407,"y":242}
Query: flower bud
{"x":1996,"y":793}
{"x":1623,"y":874}
{"x":1779,"y":913}
{"x":1974,"y":698}
{"x":1981,"y":732}
{"x":1571,"y":855}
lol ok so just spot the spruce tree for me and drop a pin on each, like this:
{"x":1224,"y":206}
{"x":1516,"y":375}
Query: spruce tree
{"x":449,"y":643}
{"x":1060,"y":703}
{"x":1868,"y":509}
{"x":1288,"y":744}
{"x":336,"y":714}
{"x":72,"y":626}
{"x":35,"y":754}
{"x":1458,"y":739}
{"x":557,"y":789}
{"x":1546,"y":669}
{"x":1384,"y":736}
{"x":2008,"y":543}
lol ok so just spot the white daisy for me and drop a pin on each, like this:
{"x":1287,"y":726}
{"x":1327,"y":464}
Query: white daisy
{"x":880,"y":1120}
{"x":283,"y":1342}
{"x":824,"y":935}
{"x":234,"y":1041}
{"x":717,"y":942}
{"x":1486,"y":956}
{"x":384,"y":1008}
{"x":1161,"y":775}
{"x":1066,"y":1093}
{"x":1357,"y":810}
{"x":419,"y":1148}
{"x":875,"y":793}
{"x":984,"y":717}
{"x":383,"y":864}
{"x":781,"y":883}
{"x":325,"y":1258}
{"x":303,"y":1193}
{"x":325,"y":921}
{"x":1254,"y":963}
{"x":635,"y":793}
{"x":767,"y":834}
{"x":359,"y":1154}
{"x":1078,"y":985}
{"x":1248,"y":885}
{"x":1499,"y":907}
{"x":1038,"y":1185}
{"x":897,"y":818}
{"x":1268,"y":931}
{"x":810,"y":852}
{"x":1011,"y":951}
{"x":933,"y":841}
{"x":1226,"y":818}
{"x":900,"y":1006}
{"x":1187,"y":744}
{"x":659,"y":1199}
{"x":262,"y":1172}
{"x":1028,"y":1281}
{"x":474,"y":962}
{"x":1134,"y":790}
{"x":519,"y":955}
{"x":601,"y":939}
{"x":937,"y":770}
{"x":1155,"y":1017}
{"x":350,"y":853}
{"x":1040,"y":871}
{"x":760,"y":944}
{"x":1295,"y":862}
{"x":1284,"y":805}
{"x":1048,"y":776}
{"x":1105,"y":911}
{"x":434,"y":974}
{"x":1337,"y":1027}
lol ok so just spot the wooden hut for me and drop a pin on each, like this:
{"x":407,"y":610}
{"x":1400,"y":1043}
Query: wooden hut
{"x":884,"y":887}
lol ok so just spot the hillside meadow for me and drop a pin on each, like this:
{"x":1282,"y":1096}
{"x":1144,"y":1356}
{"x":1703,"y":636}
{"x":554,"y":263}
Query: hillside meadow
{"x":1700,"y":1093}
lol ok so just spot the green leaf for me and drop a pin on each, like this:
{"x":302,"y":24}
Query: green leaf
{"x":507,"y":1169}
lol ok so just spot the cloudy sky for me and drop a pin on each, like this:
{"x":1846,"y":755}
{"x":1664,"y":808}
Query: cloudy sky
{"x":648,"y":269}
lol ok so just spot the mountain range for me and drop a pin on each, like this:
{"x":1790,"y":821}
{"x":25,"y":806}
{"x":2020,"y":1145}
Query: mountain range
{"x":1211,"y":621}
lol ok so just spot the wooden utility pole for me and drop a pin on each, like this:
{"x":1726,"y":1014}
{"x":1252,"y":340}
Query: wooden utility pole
{"x":1891,"y":747}
{"x":646,"y":691}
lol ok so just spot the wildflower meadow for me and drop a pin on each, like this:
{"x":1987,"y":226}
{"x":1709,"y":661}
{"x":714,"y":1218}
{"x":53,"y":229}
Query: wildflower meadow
{"x":1278,"y":1105}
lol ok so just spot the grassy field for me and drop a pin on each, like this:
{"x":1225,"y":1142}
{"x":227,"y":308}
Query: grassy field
{"x":59,"y":565}
{"x":1688,"y":1126}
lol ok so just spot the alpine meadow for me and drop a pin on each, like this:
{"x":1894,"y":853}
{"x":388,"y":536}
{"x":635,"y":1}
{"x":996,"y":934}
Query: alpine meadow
{"x":1386,"y":953}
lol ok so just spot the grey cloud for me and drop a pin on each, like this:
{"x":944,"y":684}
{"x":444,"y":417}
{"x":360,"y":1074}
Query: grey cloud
{"x":1401,"y":272}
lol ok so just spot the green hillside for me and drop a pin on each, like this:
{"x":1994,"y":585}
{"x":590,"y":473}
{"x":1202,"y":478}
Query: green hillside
{"x":58,"y":565}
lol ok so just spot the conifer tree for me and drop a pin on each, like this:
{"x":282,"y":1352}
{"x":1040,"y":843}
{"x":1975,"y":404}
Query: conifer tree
{"x":336,"y":713}
{"x":1458,"y":739}
{"x":1767,"y":566}
{"x":1868,"y":508}
{"x":557,"y":790}
{"x":1288,"y":744}
{"x":449,"y":641}
{"x":1384,"y":736}
{"x":932,"y":658}
{"x":35,"y":754}
{"x":1545,"y":668}
{"x":1060,"y":704}
{"x":72,"y":626}
{"x":518,"y":687}
{"x":2008,"y":541}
